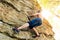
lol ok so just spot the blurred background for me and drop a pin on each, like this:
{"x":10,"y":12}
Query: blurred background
{"x":51,"y":11}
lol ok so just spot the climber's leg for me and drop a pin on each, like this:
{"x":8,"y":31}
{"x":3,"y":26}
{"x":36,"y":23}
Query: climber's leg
{"x":16,"y":30}
{"x":24,"y":26}
{"x":37,"y":34}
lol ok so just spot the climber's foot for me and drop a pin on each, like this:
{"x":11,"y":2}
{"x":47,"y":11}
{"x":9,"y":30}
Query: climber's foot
{"x":15,"y":30}
{"x":34,"y":36}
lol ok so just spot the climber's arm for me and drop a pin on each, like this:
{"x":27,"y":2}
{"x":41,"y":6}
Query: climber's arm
{"x":36,"y":14}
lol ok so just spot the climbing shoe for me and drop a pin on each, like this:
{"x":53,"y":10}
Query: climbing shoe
{"x":15,"y":30}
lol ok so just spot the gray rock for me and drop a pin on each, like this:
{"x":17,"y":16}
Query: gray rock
{"x":4,"y":37}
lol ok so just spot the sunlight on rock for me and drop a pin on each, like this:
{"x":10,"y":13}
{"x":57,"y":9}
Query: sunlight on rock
{"x":57,"y":10}
{"x":51,"y":12}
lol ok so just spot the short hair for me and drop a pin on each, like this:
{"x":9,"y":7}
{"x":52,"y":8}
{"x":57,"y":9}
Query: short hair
{"x":38,"y":11}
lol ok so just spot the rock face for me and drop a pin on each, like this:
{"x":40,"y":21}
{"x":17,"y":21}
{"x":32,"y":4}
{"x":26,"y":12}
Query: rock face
{"x":4,"y":37}
{"x":13,"y":13}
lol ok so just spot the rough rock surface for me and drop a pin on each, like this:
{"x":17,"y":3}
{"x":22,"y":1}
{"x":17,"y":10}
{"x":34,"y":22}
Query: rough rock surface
{"x":13,"y":13}
{"x":4,"y":37}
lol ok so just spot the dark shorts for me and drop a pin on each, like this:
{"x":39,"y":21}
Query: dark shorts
{"x":35,"y":22}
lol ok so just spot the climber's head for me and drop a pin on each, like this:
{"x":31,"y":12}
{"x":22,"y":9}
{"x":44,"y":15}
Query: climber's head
{"x":38,"y":11}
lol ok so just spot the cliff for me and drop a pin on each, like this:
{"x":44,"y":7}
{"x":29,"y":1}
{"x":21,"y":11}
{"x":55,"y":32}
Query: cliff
{"x":13,"y":13}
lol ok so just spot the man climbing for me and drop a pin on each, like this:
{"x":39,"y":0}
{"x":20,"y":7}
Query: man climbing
{"x":32,"y":23}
